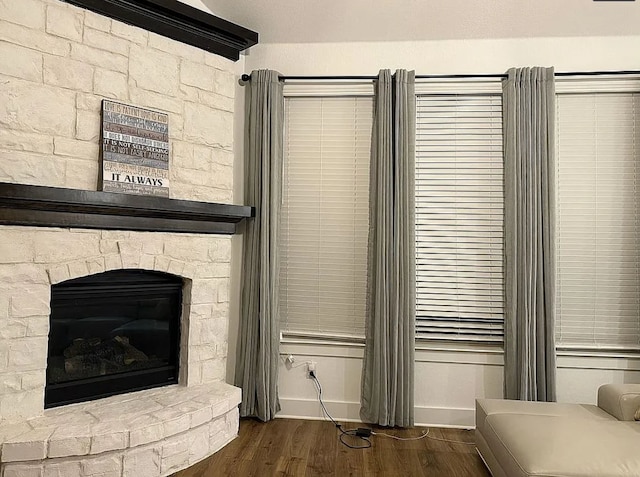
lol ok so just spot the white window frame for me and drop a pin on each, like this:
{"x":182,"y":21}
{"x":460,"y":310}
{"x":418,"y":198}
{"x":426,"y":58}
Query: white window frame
{"x":334,"y":89}
{"x":460,"y":339}
{"x":585,"y":85}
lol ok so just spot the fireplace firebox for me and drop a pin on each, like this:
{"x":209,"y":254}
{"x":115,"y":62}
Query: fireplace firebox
{"x":111,"y":333}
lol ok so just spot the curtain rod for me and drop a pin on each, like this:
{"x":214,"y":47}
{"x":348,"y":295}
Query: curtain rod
{"x":245,"y":77}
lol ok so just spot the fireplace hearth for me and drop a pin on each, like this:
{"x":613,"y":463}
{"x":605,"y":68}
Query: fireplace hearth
{"x":112,"y":333}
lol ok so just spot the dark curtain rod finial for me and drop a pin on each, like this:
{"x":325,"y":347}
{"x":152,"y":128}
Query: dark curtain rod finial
{"x":245,"y":77}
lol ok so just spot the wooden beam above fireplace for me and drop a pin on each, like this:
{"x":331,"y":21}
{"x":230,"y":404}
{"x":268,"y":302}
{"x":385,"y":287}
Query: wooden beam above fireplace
{"x":179,"y":22}
{"x":56,"y":207}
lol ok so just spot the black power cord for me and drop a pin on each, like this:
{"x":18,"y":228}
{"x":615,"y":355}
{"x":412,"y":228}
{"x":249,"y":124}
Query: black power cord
{"x":364,"y":432}
{"x":360,"y":433}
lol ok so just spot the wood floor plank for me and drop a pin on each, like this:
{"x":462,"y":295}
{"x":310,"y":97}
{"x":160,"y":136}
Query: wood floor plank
{"x":270,"y":454}
{"x":349,"y":463}
{"x":248,"y":434}
{"x":322,"y":457}
{"x":299,"y":448}
{"x":296,"y":450}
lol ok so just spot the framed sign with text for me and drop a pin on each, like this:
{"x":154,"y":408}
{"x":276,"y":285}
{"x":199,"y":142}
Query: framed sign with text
{"x":135,"y":150}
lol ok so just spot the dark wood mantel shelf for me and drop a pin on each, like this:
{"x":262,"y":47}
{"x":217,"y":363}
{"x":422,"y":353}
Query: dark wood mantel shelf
{"x":177,"y":21}
{"x":56,"y":207}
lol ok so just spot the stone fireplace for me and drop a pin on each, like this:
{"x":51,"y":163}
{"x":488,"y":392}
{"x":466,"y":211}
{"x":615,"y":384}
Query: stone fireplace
{"x":60,"y":62}
{"x":115,"y":431}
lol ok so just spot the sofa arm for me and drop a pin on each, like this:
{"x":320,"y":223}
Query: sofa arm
{"x":620,"y":400}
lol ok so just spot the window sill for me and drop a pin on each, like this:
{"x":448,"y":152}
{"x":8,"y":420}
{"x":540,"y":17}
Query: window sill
{"x":597,"y":353}
{"x":458,"y":347}
{"x":426,"y":352}
{"x":481,"y":354}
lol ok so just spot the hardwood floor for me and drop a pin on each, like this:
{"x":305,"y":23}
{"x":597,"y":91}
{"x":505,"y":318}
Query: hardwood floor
{"x":288,"y":447}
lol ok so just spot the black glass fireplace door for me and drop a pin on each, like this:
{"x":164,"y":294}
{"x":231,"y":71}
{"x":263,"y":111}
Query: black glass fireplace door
{"x":112,"y":333}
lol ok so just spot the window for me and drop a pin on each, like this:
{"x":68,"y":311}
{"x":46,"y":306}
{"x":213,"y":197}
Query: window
{"x":459,"y":216}
{"x":598,"y":220}
{"x":459,"y":213}
{"x":325,"y":215}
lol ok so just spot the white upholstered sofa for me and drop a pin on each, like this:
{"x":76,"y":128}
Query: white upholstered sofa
{"x":518,"y":438}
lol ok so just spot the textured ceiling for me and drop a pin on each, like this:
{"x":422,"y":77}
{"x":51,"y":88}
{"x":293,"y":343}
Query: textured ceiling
{"x":304,"y":21}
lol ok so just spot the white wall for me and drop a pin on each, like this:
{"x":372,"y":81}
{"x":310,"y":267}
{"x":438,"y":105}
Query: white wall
{"x":448,"y":57}
{"x":447,"y":382}
{"x":237,"y":239}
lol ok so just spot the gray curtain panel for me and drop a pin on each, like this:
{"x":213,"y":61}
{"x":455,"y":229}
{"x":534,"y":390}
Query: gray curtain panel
{"x":388,"y":369}
{"x":259,"y":333}
{"x":529,"y":142}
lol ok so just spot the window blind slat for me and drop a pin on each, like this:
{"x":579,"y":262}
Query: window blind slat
{"x":459,"y":218}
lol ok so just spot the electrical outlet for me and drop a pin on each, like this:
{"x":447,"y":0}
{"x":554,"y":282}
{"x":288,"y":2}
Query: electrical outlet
{"x":311,"y":368}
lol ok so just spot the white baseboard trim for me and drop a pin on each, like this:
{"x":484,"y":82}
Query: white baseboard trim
{"x":310,"y":409}
{"x":293,"y":408}
{"x":445,"y":417}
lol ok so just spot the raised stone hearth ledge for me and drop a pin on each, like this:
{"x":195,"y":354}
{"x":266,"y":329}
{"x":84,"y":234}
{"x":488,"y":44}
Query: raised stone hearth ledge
{"x":147,"y":433}
{"x":22,"y":204}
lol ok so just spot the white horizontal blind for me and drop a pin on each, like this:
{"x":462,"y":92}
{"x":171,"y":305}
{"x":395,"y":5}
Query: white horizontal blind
{"x":325,"y":215}
{"x":598,"y":249}
{"x":459,"y":218}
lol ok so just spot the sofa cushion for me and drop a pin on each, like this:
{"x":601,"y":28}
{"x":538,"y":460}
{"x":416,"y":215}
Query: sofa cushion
{"x":539,"y":445}
{"x":487,"y":407}
{"x":620,"y":400}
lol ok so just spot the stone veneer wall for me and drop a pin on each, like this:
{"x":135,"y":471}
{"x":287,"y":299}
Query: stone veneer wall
{"x":58,"y":61}
{"x":56,"y":64}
